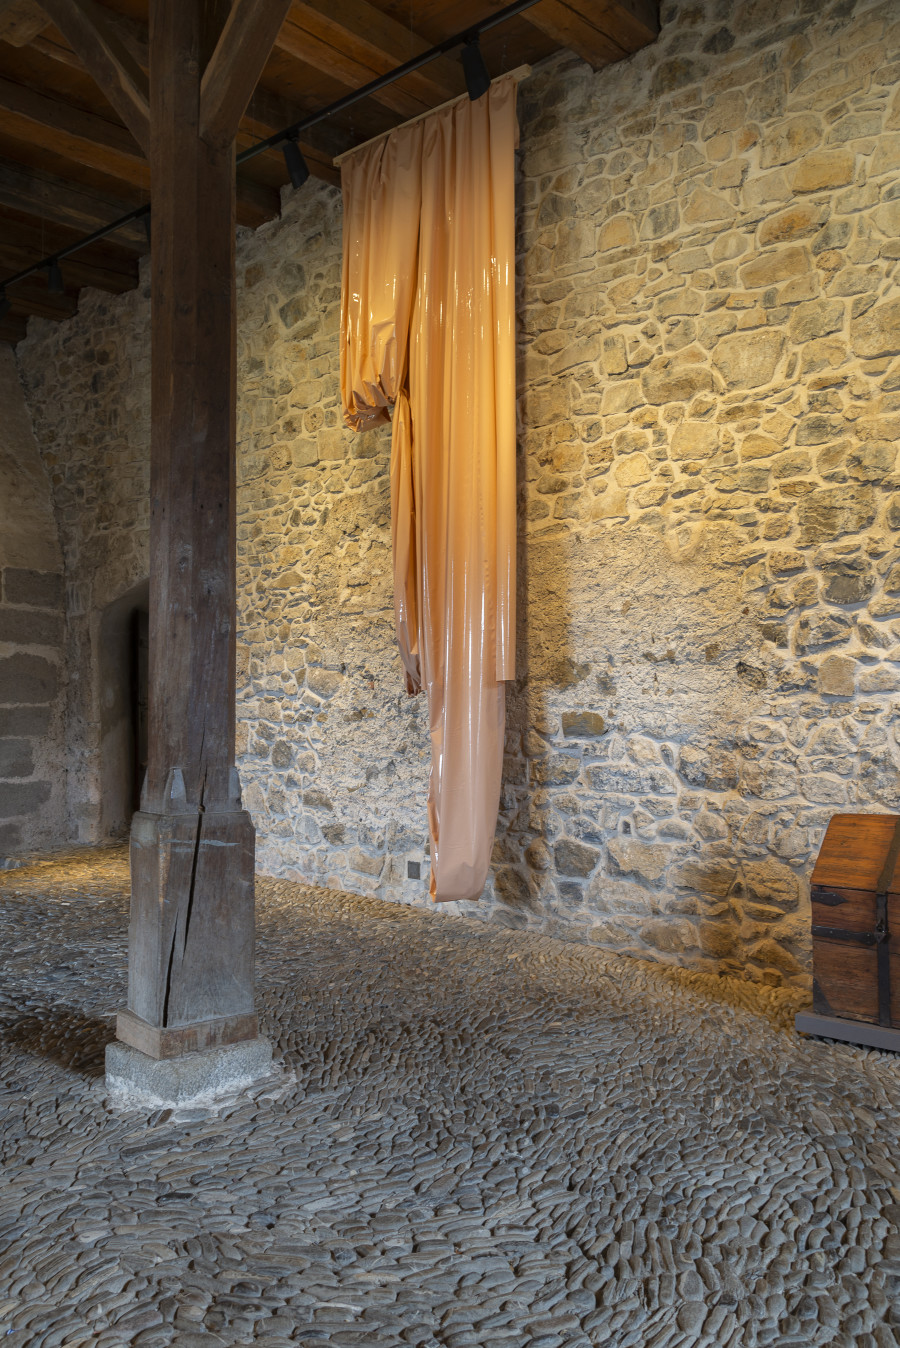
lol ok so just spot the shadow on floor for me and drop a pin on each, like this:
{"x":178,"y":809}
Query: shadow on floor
{"x":63,"y":1034}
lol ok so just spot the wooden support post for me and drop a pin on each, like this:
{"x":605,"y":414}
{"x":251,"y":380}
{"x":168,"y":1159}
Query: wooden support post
{"x":190,"y":982}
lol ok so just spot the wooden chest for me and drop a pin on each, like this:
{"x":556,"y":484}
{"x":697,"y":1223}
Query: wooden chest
{"x":856,"y":922}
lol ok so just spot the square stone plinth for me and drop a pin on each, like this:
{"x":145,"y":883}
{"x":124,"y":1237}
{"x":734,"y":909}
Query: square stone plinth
{"x":185,"y":1080}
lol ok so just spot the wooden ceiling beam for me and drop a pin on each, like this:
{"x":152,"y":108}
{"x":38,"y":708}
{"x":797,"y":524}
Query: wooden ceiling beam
{"x":79,"y":208}
{"x":132,"y":33}
{"x":320,"y":162}
{"x":20,"y":21}
{"x":346,"y":71}
{"x":267,"y":110}
{"x":48,"y":45}
{"x":107,"y":59}
{"x":22,"y":231}
{"x":571,"y":29}
{"x":33,"y":297}
{"x":378,"y":41}
{"x":80,"y":135}
{"x":105,"y":146}
{"x":233,"y":70}
{"x":76,"y":272}
{"x":634,"y":23}
{"x":354,"y":42}
{"x":599,"y":31}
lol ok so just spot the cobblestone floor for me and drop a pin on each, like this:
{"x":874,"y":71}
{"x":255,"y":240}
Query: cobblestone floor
{"x":478,"y":1137}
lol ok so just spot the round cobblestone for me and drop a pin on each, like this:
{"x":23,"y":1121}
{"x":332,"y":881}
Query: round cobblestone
{"x":474,"y":1137}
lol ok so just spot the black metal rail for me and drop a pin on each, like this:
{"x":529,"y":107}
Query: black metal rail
{"x":294,"y":130}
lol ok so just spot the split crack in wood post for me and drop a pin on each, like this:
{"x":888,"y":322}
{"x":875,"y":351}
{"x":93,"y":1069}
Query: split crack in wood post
{"x":188,"y":907}
{"x":191,"y":936}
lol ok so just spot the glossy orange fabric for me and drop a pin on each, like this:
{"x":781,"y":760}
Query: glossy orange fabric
{"x":427,"y":327}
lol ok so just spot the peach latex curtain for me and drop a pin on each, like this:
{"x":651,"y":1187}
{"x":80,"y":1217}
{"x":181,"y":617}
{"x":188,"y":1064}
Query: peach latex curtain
{"x":427,"y":329}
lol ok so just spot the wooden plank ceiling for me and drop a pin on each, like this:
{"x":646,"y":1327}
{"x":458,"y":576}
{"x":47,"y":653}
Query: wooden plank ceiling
{"x":69,"y":164}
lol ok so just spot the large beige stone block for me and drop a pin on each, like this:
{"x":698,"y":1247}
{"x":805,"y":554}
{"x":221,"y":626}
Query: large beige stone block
{"x":705,"y":877}
{"x":836,"y":676}
{"x":759,"y":446}
{"x":634,"y":470}
{"x":770,"y":882}
{"x":886,"y":158}
{"x":728,"y":113}
{"x":660,"y":220}
{"x":614,"y":357}
{"x":674,"y":381}
{"x":704,"y":205}
{"x":749,"y":359}
{"x":816,"y":318}
{"x":621,"y":396}
{"x":648,"y":861}
{"x":779,"y":265}
{"x":619,"y":232}
{"x":795,"y":223}
{"x":824,"y":170}
{"x":877,"y":332}
{"x":717,"y":939}
{"x":786,"y":141}
{"x":694,"y":440}
{"x":670,"y":935}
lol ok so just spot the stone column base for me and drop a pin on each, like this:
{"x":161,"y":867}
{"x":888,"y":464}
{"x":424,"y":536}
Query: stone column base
{"x":188,"y":1079}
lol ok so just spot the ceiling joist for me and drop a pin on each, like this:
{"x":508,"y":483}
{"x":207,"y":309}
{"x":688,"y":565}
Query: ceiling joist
{"x":354,"y":49}
{"x":570,"y":26}
{"x":74,"y":107}
{"x":105,"y":146}
{"x":76,"y":270}
{"x":33,"y":297}
{"x":46,"y":197}
{"x":362,"y":36}
{"x":64,"y":128}
{"x":84,"y":26}
{"x":20,"y":21}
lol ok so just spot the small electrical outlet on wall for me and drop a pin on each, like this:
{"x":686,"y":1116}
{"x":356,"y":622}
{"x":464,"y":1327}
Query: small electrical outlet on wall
{"x":413,"y":870}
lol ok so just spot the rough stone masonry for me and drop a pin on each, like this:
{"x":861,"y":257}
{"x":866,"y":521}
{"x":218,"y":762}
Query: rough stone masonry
{"x":709,"y":643}
{"x":32,"y":787}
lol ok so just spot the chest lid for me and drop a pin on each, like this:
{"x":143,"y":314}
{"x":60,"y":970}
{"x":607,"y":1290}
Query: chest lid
{"x":854,"y":853}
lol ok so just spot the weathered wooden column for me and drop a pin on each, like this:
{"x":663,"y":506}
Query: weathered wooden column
{"x":190,"y":985}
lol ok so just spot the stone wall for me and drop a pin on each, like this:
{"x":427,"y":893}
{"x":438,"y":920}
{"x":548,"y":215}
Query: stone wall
{"x":334,"y":754}
{"x":709,"y":658}
{"x":32,"y":780}
{"x":88,"y":388}
{"x":710,"y":377}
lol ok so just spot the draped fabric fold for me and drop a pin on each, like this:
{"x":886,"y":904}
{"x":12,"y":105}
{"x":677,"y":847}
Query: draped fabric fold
{"x":427,"y":329}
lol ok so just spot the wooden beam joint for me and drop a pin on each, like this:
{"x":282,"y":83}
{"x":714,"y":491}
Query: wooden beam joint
{"x":236,"y":64}
{"x":106,"y":57}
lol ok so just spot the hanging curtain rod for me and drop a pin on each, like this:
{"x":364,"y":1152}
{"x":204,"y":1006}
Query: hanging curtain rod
{"x":296,"y":128}
{"x":519,"y":74}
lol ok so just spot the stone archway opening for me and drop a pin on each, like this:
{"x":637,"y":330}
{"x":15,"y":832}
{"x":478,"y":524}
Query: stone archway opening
{"x":123,"y":671}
